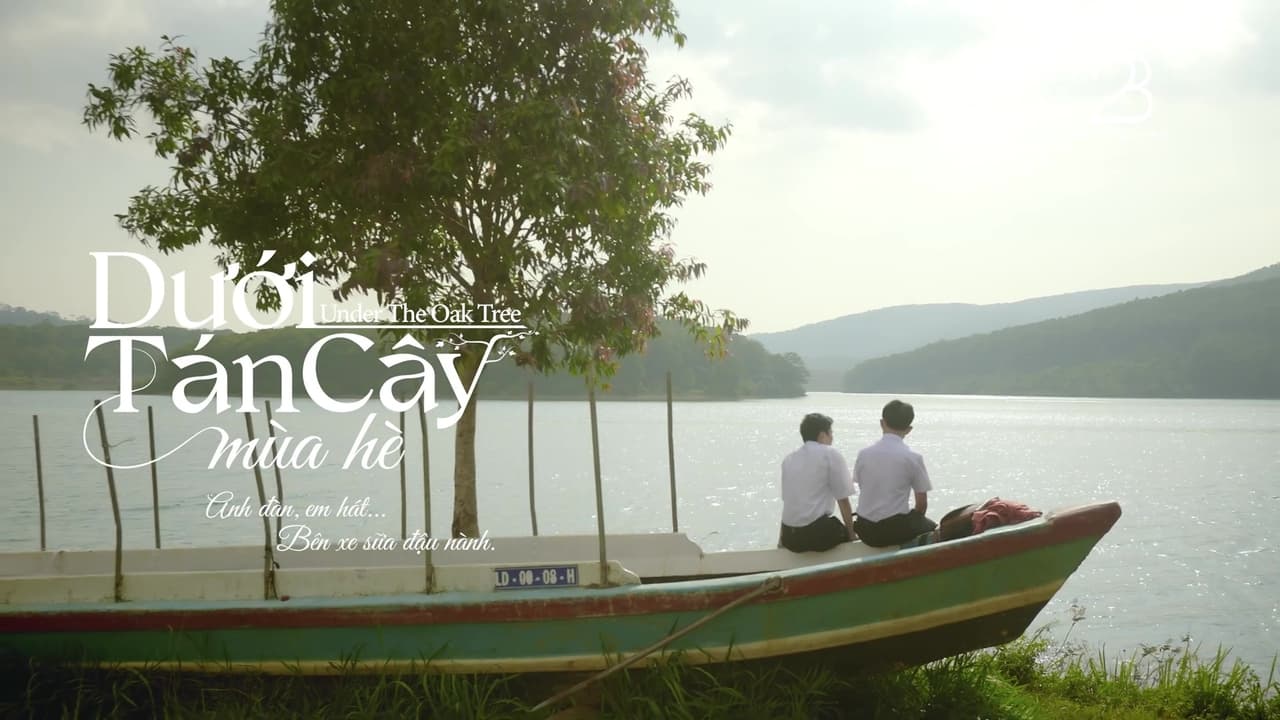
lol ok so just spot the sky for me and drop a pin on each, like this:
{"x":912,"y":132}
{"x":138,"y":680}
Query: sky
{"x":882,"y":153}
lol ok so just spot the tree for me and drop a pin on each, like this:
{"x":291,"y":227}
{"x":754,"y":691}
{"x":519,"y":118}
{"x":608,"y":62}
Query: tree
{"x":509,"y":152}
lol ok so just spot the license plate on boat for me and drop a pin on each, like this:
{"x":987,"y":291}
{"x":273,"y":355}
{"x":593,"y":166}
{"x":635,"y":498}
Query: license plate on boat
{"x":510,"y":578}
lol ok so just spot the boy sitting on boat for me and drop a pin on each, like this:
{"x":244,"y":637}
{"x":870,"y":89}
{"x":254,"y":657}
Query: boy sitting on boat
{"x":887,"y":473}
{"x":813,"y":478}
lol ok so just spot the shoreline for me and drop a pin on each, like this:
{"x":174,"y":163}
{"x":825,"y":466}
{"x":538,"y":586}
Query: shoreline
{"x":602,"y":395}
{"x":1026,"y":679}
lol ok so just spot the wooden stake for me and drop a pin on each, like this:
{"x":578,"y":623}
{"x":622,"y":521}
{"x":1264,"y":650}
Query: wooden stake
{"x":271,"y":433}
{"x":155,"y":483}
{"x":115,"y":503}
{"x":404,"y":494}
{"x":595,"y":459}
{"x":533,"y":509}
{"x":671,"y":457}
{"x":268,"y":555}
{"x":35,"y":424}
{"x":426,"y":495}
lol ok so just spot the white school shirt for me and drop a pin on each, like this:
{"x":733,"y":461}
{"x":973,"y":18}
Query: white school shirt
{"x":886,"y":472}
{"x":813,"y":478}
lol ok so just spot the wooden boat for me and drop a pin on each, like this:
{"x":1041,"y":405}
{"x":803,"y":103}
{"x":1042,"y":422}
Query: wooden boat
{"x":540,"y":604}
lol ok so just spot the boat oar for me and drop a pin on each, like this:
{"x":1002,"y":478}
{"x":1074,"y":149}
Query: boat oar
{"x":771,"y":584}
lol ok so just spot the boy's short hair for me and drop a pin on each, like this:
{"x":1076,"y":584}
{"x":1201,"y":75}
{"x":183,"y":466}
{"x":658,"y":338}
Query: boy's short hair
{"x":813,"y":425}
{"x":898,"y":415}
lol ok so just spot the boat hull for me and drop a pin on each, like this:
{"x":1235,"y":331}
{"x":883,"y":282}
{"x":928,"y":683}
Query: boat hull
{"x":904,"y":607}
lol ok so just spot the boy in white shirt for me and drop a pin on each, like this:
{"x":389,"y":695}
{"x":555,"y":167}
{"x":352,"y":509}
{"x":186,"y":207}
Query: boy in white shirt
{"x":814,"y":479}
{"x":887,"y":473}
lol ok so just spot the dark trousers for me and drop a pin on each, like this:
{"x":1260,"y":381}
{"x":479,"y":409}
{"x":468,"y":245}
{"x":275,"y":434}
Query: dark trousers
{"x":894,"y":530}
{"x":821,"y":534}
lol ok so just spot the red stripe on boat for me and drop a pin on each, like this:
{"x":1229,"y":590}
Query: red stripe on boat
{"x":1066,"y":526}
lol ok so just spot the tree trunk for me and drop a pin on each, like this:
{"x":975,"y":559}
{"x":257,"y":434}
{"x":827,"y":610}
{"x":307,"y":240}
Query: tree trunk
{"x":465,"y":514}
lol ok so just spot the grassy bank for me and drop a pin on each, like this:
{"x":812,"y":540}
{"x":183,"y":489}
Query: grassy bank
{"x":1027,"y":679}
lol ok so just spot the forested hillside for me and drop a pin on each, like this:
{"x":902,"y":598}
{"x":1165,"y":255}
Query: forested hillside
{"x":1219,"y":341}
{"x":18,"y":315}
{"x":829,"y":348}
{"x":53,"y":357}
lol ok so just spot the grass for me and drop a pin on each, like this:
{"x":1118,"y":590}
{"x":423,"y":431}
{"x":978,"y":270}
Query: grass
{"x":1025,"y":680}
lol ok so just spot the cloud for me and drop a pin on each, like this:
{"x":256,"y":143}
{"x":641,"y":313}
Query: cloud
{"x":30,"y":25}
{"x":1092,"y":48}
{"x":1258,"y":65}
{"x":827,"y":28}
{"x":830,"y":63}
{"x":39,"y":126}
{"x":35,"y":25}
{"x":904,"y":67}
{"x":51,"y":51}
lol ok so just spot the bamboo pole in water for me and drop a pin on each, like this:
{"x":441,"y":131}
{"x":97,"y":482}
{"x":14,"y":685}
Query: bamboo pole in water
{"x":155,"y":483}
{"x":404,"y":494}
{"x":533,"y":509}
{"x":671,"y":457}
{"x":268,"y":556}
{"x":595,"y":459}
{"x":426,"y":495}
{"x":115,"y":503}
{"x":271,"y":433}
{"x":35,"y":425}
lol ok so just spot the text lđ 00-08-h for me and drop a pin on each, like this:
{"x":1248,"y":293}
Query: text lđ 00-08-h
{"x":510,"y":578}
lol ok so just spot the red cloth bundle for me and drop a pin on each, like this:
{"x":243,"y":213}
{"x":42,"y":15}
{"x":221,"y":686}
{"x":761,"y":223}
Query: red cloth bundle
{"x":996,"y":513}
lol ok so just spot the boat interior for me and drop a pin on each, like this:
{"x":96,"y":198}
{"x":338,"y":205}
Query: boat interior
{"x":240,"y":572}
{"x":237,"y":572}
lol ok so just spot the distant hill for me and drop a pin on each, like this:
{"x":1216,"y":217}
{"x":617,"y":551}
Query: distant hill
{"x":748,"y":371}
{"x":1220,"y":341}
{"x":18,"y":315}
{"x":829,"y":348}
{"x":52,"y":357}
{"x":1266,"y":273}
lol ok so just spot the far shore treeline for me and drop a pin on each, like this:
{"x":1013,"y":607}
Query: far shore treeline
{"x":1220,"y":341}
{"x":48,"y":356}
{"x":1216,"y":341}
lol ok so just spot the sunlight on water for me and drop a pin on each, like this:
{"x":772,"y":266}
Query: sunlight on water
{"x":1195,"y":552}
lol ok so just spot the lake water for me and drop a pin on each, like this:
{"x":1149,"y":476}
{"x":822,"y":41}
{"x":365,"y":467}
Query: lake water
{"x":1194,"y":554}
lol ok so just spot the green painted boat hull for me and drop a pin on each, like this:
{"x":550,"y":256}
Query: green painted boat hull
{"x":907,"y":606}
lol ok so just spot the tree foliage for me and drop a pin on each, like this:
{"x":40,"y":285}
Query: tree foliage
{"x":458,"y":152}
